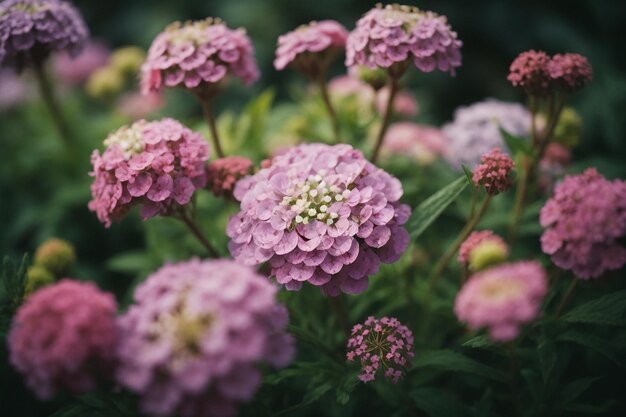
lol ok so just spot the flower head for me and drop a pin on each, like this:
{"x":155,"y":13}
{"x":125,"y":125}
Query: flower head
{"x":381,"y":344}
{"x":56,"y":255}
{"x":320,"y":214}
{"x":494,"y":172}
{"x":37,"y":277}
{"x":223,"y":174}
{"x":76,"y":70}
{"x":310,"y":48}
{"x":481,"y":249}
{"x":502,"y":298}
{"x":198,"y":56}
{"x":393,"y":36}
{"x":64,"y":337}
{"x":529,"y":71}
{"x":192,"y":339}
{"x":155,"y":164}
{"x":31,"y":29}
{"x":583,"y":222}
{"x":420,"y":142}
{"x":569,"y":72}
{"x":475,"y":130}
{"x":138,"y":106}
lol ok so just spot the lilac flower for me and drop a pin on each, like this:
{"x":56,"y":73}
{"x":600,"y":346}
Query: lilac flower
{"x":31,"y":29}
{"x":320,"y":214}
{"x":191,"y":341}
{"x":384,"y":345}
{"x":583,"y":221}
{"x":157,"y":164}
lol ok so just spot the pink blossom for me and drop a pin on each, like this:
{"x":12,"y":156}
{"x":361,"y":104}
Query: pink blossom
{"x":475,"y":239}
{"x":64,"y":337}
{"x":420,"y":142}
{"x":583,"y":222}
{"x":194,"y":336}
{"x":223,"y":174}
{"x":138,"y":106}
{"x":570,"y":72}
{"x":529,"y":71}
{"x":404,"y":104}
{"x":502,"y":298}
{"x":494,"y":172}
{"x":75,"y":71}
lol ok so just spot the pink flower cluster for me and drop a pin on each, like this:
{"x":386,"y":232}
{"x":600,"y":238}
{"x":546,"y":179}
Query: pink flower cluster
{"x":394,"y":35}
{"x":320,"y":214}
{"x":155,"y":164}
{"x":475,"y":239}
{"x":420,"y":142}
{"x":223,"y":174}
{"x":502,"y":298}
{"x":74,"y":71}
{"x":198,"y":55}
{"x":494,"y":172}
{"x":191,"y":341}
{"x":540,"y":75}
{"x":384,"y":344}
{"x":64,"y":337}
{"x":583,"y":221}
{"x":310,"y":48}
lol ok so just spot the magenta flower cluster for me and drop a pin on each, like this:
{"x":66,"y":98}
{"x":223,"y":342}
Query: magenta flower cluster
{"x":310,"y":48}
{"x":223,"y":174}
{"x":31,"y":29}
{"x":157,"y":165}
{"x":197,"y":56}
{"x":494,"y":172}
{"x":320,"y":214}
{"x":64,"y":337}
{"x":584,"y":221}
{"x":539,"y":75}
{"x":192,"y":339}
{"x":502,"y":298}
{"x":475,"y":239}
{"x":393,"y":36}
{"x":381,"y":344}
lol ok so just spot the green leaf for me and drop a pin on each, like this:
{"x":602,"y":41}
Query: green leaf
{"x":481,"y":341}
{"x":316,"y":389}
{"x":592,"y":342}
{"x":609,"y":310}
{"x":449,"y":360}
{"x":427,"y":212}
{"x":574,"y":389}
{"x":131,"y":262}
{"x":469,"y":174}
{"x":516,"y":144}
{"x":438,"y":403}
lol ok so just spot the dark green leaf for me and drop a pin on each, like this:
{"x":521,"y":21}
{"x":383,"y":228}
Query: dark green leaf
{"x":515,"y":144}
{"x":427,"y":212}
{"x":481,"y":341}
{"x":574,"y":389}
{"x":592,"y":342}
{"x":437,"y":403}
{"x":449,"y":360}
{"x":609,"y":310}
{"x":469,"y":174}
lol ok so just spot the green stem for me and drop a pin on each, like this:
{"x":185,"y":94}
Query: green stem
{"x":514,"y":383}
{"x":207,"y":111}
{"x":329,"y":107}
{"x":195,"y":230}
{"x":393,"y":89}
{"x":566,"y":297}
{"x":49,"y":98}
{"x":445,"y":259}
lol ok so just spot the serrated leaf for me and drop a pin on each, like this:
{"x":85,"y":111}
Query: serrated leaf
{"x":437,"y":403}
{"x":609,"y":310}
{"x":516,"y":144}
{"x":449,"y":360}
{"x":427,"y":212}
{"x":592,"y":342}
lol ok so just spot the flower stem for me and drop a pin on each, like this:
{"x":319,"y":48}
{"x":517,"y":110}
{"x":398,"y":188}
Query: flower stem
{"x":445,"y":259}
{"x":514,"y":383}
{"x":195,"y":230}
{"x":566,"y":297}
{"x":393,"y":89}
{"x":49,"y":98}
{"x":329,"y":107}
{"x":207,"y":111}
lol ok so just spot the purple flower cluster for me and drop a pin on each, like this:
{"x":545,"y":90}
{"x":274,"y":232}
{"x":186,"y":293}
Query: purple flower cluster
{"x":384,"y":344}
{"x":310,"y":48}
{"x":392,"y":36}
{"x":583,"y":221}
{"x":502,"y":298}
{"x":476,"y":130}
{"x":197,"y":56}
{"x":156,"y":164}
{"x":494,"y":172}
{"x":31,"y":29}
{"x":320,"y":214}
{"x":64,"y":337}
{"x":191,"y":341}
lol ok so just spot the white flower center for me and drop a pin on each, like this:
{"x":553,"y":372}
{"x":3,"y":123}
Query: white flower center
{"x":128,"y":139}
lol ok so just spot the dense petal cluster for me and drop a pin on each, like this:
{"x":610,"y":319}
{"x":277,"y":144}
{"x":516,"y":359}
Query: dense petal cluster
{"x":320,"y":214}
{"x":223,"y":174}
{"x":156,"y":164}
{"x":529,"y":71}
{"x":77,"y":70}
{"x":477,"y":239}
{"x":31,"y":29}
{"x":570,"y":72}
{"x":502,"y":298}
{"x":310,"y":48}
{"x":476,"y":130}
{"x":197,"y":56}
{"x":420,"y":142}
{"x":64,"y":337}
{"x":381,"y":344}
{"x":583,"y":221}
{"x":494,"y":172}
{"x":394,"y":34}
{"x":192,"y":339}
